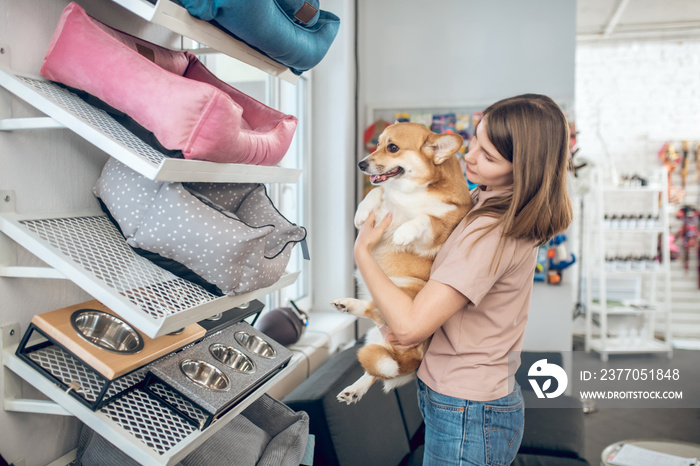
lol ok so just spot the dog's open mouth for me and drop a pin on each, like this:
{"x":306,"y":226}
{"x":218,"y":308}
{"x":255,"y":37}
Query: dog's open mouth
{"x":376,"y":179}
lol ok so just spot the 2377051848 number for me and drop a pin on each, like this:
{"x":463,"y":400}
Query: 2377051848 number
{"x":639,"y":374}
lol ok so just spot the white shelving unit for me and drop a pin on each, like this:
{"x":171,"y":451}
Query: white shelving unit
{"x":626,"y":326}
{"x":137,"y":424}
{"x":66,"y":109}
{"x":92,"y":253}
{"x":87,"y":249}
{"x":172,"y":16}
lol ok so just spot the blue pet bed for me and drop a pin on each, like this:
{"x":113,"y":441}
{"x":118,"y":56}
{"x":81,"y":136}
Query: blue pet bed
{"x":296,"y":33}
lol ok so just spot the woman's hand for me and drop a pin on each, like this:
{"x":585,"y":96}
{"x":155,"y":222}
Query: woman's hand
{"x":370,"y":234}
{"x":391,"y":338}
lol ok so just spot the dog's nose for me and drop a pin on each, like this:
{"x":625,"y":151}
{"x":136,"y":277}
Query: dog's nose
{"x":363,"y":165}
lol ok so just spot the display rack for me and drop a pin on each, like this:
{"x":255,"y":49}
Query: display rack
{"x":97,"y":127}
{"x":91,"y":251}
{"x":172,"y":16}
{"x":88,"y":249}
{"x":136,"y":423}
{"x":645,"y":309}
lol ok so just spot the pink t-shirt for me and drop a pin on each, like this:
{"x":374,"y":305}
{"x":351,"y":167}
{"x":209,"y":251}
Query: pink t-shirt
{"x":470,"y":356}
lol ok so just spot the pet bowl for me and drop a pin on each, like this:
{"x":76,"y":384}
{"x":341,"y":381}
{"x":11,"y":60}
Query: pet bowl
{"x":205,"y":375}
{"x":255,"y":344}
{"x":232,"y":358}
{"x":106,"y":331}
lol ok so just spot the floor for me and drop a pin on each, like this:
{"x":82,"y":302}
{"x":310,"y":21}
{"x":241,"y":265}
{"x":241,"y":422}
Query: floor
{"x":608,"y":425}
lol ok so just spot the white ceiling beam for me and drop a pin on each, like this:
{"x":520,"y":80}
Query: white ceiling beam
{"x":621,"y":6}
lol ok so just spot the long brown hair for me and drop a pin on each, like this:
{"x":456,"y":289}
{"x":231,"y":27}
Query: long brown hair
{"x":532,"y":133}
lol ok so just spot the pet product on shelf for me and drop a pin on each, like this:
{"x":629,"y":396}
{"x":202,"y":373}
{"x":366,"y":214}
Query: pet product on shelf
{"x":169,"y":93}
{"x":92,"y":353}
{"x":284,"y":324}
{"x":214,"y":374}
{"x":228,"y":234}
{"x":296,"y":33}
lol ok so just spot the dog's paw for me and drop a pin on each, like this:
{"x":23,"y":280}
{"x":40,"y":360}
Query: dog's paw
{"x":348,"y":396}
{"x":406,"y":234}
{"x":361,"y":216}
{"x":341,"y":304}
{"x":409,"y":232}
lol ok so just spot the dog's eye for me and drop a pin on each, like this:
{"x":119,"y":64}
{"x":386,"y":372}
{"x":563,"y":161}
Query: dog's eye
{"x":393,"y":148}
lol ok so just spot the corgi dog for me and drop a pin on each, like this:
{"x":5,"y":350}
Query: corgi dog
{"x":417,"y":178}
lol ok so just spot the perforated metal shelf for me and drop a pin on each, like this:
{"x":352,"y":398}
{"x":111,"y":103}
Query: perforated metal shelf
{"x":91,"y":252}
{"x":176,"y":18}
{"x":69,"y":370}
{"x":137,"y":424}
{"x":99,"y":128}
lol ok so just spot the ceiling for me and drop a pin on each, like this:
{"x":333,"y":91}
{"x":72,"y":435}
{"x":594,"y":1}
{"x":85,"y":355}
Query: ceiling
{"x":637,"y":19}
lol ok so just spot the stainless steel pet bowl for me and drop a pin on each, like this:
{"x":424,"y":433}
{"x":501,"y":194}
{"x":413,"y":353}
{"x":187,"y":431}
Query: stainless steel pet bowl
{"x":233,"y":358}
{"x":255,"y":344}
{"x":204,"y":374}
{"x":106,"y":331}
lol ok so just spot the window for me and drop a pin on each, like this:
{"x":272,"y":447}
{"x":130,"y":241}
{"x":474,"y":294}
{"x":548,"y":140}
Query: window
{"x":292,"y":200}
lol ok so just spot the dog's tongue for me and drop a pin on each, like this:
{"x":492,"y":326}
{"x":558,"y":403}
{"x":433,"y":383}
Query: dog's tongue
{"x":375,"y":178}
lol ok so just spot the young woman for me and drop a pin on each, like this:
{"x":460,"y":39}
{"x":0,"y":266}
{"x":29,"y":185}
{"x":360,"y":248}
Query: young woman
{"x":476,"y":303}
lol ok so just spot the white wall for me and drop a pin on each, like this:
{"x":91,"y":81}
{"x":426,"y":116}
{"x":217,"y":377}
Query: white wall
{"x":631,"y":96}
{"x":331,"y":233}
{"x":467,"y":51}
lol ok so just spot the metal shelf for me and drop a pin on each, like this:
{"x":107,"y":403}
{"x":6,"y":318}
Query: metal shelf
{"x":611,"y":272}
{"x":624,"y":310}
{"x":100,"y":129}
{"x":634,"y":230}
{"x":652,"y":188}
{"x":598,"y":240}
{"x":91,"y":252}
{"x":613,"y":346}
{"x":177,"y":19}
{"x":136,"y":424}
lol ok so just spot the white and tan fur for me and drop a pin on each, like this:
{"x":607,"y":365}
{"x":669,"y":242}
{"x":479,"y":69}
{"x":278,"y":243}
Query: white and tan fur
{"x":419,"y":180}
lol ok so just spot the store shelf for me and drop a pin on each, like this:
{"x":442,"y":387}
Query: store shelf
{"x":100,"y":129}
{"x":615,"y":346}
{"x":91,"y":252}
{"x":137,"y":424}
{"x":611,"y":272}
{"x":652,"y":188}
{"x":624,"y":310}
{"x":633,"y":230}
{"x":172,"y":16}
{"x":631,"y":248}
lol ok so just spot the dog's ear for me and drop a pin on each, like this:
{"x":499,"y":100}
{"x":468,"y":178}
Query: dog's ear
{"x":442,"y":146}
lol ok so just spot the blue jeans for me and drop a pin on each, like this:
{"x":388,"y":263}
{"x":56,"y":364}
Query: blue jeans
{"x":461,"y":432}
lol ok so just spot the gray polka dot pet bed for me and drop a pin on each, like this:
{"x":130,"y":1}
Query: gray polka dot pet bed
{"x":229,"y":234}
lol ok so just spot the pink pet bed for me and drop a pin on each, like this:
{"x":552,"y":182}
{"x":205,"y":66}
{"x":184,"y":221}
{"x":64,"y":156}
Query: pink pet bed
{"x":170,"y":93}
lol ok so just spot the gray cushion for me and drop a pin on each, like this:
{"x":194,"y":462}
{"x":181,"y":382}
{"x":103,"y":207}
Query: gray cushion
{"x":229,"y":234}
{"x":556,"y":431}
{"x":127,"y":194}
{"x":266,"y":433}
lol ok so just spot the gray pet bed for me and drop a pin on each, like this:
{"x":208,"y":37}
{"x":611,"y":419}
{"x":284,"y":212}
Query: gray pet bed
{"x":267,"y":433}
{"x":229,"y":234}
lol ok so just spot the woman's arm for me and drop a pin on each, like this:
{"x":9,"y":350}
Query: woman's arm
{"x":410,"y":320}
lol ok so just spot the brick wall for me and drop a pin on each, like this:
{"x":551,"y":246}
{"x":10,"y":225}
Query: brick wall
{"x":630,"y":98}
